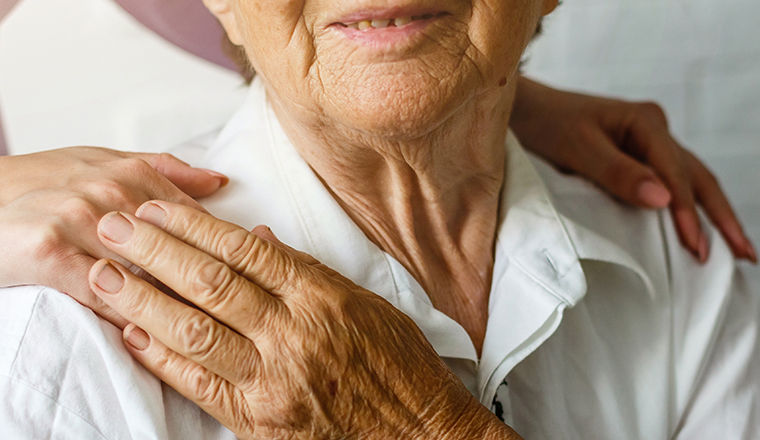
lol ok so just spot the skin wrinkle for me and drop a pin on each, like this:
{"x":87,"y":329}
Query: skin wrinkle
{"x":409,"y":142}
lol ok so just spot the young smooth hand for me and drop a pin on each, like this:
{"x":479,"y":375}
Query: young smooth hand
{"x":626,"y":148}
{"x":51,"y":202}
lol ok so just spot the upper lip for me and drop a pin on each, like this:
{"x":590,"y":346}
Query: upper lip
{"x":369,"y":14}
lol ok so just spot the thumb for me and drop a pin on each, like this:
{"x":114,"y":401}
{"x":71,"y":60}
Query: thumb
{"x":195,"y":182}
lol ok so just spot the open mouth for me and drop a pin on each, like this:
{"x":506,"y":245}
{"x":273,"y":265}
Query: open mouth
{"x":369,"y":25}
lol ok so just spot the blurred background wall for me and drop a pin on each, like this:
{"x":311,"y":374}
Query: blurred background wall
{"x":700,"y":59}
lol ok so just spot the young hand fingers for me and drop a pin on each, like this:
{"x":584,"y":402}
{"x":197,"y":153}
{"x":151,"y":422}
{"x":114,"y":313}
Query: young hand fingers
{"x":658,"y":149}
{"x":717,"y":207}
{"x":195,"y":182}
{"x":618,"y":173}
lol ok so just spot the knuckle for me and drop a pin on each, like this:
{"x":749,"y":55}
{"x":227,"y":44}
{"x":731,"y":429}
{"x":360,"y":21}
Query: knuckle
{"x":710,"y":177}
{"x":214,"y":282}
{"x":709,"y":181}
{"x":199,"y":337}
{"x":238,"y":247}
{"x":162,"y":161}
{"x":282,"y":274}
{"x":206,"y":388}
{"x":616,"y":173}
{"x":115,"y":193}
{"x":136,"y":166}
{"x":652,"y":111}
{"x":48,"y":242}
{"x":78,"y":210}
{"x":147,"y":250}
{"x":166,"y":157}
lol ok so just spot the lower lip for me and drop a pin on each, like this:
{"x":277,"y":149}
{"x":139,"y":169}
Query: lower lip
{"x":389,"y":36}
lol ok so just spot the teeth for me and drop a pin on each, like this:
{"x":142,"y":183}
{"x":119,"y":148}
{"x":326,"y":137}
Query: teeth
{"x":403,"y":21}
{"x":380,"y":24}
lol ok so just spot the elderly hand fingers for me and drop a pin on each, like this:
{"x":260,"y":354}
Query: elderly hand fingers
{"x":198,"y":277}
{"x":710,"y":195}
{"x":212,"y":393}
{"x":182,"y":328}
{"x":195,"y":182}
{"x":263,"y":262}
{"x":71,"y":278}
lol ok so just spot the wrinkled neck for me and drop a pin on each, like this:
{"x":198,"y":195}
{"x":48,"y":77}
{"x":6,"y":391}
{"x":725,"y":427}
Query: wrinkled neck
{"x":431,"y":202}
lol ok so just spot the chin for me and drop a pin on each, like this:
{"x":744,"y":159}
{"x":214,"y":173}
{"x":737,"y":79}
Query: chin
{"x":399,"y":106}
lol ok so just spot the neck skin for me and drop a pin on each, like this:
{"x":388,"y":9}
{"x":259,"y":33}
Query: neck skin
{"x":432,"y":202}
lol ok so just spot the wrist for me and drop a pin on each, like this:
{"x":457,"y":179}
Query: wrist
{"x":464,"y":418}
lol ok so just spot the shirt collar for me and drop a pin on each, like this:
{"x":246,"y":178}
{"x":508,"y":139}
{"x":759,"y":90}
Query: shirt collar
{"x":537,"y":271}
{"x":531,"y":236}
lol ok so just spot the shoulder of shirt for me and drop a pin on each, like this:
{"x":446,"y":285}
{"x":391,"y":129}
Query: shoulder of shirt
{"x":644,"y":240}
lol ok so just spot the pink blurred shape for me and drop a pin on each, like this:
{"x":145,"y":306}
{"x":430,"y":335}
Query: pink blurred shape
{"x":185,"y":23}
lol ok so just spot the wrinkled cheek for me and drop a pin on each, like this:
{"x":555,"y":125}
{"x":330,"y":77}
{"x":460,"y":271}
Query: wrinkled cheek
{"x":275,"y":33}
{"x":499,"y":32}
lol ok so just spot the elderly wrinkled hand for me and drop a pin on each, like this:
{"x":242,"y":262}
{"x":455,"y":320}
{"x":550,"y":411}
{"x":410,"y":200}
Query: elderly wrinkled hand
{"x":279,"y":346}
{"x":50,"y":203}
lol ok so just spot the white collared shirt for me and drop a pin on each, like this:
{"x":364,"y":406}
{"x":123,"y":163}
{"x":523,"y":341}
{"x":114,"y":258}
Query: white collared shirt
{"x":600,"y":324}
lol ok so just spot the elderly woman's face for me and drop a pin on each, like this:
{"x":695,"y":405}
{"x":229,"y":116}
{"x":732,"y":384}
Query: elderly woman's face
{"x":386,"y":67}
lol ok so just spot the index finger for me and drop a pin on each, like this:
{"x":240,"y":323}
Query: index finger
{"x":269,"y":266}
{"x":195,"y":182}
{"x":198,"y":277}
{"x":656,"y":146}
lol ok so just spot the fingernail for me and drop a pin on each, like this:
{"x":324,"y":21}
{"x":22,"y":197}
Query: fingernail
{"x":224,"y":179}
{"x":117,"y":228}
{"x":153,"y":214}
{"x":702,"y":249}
{"x":109,"y":279}
{"x":751,"y":252}
{"x":136,"y":337}
{"x":735,"y":235}
{"x":653,"y":194}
